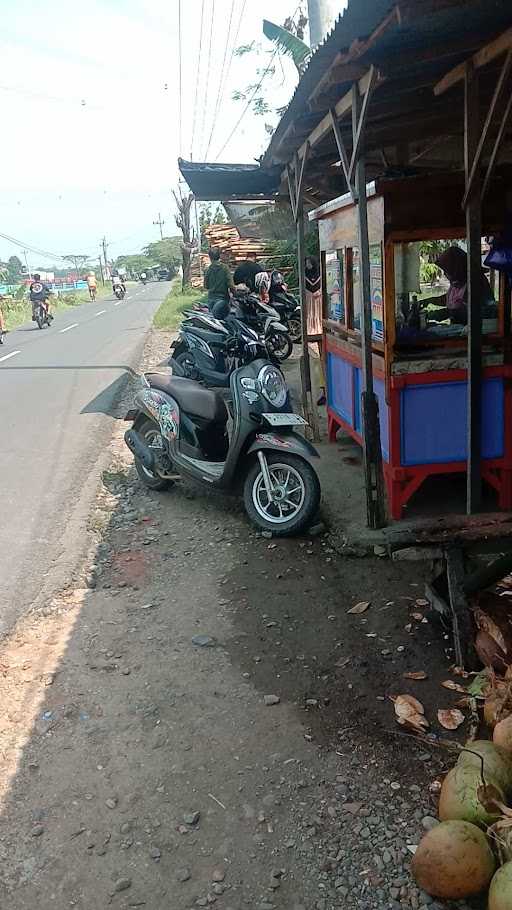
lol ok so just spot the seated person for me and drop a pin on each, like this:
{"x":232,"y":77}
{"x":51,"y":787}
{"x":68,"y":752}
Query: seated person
{"x":454,"y":263}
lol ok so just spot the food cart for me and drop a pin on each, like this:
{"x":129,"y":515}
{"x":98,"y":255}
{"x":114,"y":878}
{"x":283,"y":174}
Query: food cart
{"x":419,"y":366}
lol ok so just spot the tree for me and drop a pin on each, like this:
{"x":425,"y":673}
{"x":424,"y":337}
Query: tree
{"x":14,"y":269}
{"x":137,"y":262}
{"x":166,"y":252}
{"x":189,"y":244}
{"x":78,"y":260}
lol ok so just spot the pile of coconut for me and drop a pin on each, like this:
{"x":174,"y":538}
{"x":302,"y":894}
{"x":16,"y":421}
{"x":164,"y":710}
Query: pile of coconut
{"x":471,"y":849}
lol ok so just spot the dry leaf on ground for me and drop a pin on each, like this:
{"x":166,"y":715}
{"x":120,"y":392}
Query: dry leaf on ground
{"x":417,"y":616}
{"x":360,"y":607}
{"x":422,"y":602}
{"x":410,"y":713}
{"x":450,"y":718}
{"x":415,"y":674}
{"x":455,"y":687}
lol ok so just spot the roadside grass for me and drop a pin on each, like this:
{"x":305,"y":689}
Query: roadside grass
{"x":19,"y":310}
{"x":170,"y":311}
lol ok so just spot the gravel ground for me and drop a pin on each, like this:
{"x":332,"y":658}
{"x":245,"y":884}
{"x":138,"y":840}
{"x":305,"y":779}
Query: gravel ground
{"x":199,"y":721}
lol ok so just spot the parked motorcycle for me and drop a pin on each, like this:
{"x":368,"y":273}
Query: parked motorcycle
{"x":180,"y":428}
{"x":209,"y":350}
{"x":286,"y":306}
{"x":119,"y":291}
{"x":42,"y":314}
{"x":264,"y":319}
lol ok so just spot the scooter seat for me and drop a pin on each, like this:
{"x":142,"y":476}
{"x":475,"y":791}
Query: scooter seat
{"x":192,"y":397}
{"x":209,"y":337}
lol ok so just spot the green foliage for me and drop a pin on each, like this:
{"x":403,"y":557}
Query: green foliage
{"x":166,"y":252}
{"x":283,"y":256}
{"x":14,"y":269}
{"x":430,"y":250}
{"x":135,"y":263}
{"x":170,"y":311}
{"x":288,"y":43}
{"x":429,"y":272}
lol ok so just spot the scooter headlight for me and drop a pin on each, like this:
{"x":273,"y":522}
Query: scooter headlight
{"x":273,"y":386}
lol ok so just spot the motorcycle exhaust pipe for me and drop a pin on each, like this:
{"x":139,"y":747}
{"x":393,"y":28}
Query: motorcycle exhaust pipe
{"x":139,"y":448}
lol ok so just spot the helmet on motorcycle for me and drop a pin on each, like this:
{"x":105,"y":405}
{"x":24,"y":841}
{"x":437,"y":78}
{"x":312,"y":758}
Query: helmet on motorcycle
{"x":262,"y":281}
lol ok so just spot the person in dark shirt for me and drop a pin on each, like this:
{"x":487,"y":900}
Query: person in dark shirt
{"x":39,"y":293}
{"x":246,"y":272}
{"x":219,"y":284}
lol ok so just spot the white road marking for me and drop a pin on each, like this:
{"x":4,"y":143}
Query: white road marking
{"x":119,"y":302}
{"x":7,"y":356}
{"x":101,"y":313}
{"x":68,"y":327}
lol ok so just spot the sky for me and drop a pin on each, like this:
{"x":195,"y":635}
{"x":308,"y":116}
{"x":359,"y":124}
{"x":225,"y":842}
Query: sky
{"x":90,"y":102}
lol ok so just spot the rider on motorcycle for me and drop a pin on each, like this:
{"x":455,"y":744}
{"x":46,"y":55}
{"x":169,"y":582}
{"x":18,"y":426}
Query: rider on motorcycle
{"x":39,"y":293}
{"x":219,"y":284}
{"x":117,"y":281}
{"x":143,"y":277}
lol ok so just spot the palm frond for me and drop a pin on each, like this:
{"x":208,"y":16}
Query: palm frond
{"x":289,"y":44}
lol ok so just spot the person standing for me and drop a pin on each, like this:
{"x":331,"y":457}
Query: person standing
{"x":246,"y":271}
{"x":2,"y":322}
{"x":219,"y":284}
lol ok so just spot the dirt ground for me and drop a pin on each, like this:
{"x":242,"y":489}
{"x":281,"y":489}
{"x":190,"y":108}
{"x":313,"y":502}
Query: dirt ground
{"x":142,"y":766}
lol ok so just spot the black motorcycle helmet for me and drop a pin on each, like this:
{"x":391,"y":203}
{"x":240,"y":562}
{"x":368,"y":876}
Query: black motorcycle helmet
{"x":276,"y":280}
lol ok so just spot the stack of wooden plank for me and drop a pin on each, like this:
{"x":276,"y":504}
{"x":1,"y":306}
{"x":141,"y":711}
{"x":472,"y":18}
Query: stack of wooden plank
{"x":234,"y":249}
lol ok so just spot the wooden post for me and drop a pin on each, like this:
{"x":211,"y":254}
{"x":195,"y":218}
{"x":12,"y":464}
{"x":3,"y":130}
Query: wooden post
{"x":372,"y":453}
{"x":474,"y":292}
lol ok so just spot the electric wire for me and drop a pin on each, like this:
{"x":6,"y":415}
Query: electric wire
{"x":197,"y":81}
{"x":207,"y":81}
{"x":221,"y":79}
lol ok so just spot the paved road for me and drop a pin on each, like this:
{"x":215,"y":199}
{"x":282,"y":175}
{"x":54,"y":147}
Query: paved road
{"x":58,"y":389}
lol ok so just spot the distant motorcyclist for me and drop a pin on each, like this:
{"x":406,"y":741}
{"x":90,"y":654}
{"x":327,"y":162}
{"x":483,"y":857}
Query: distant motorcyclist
{"x":39,"y":294}
{"x":117,"y":281}
{"x":2,"y":322}
{"x":143,"y":277}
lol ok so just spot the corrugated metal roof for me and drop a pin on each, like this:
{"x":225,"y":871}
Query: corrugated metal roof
{"x":483,"y":18}
{"x":359,"y":19}
{"x":210,"y":181}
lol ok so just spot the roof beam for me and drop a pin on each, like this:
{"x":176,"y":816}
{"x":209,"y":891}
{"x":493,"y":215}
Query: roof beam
{"x":361,"y":123}
{"x":485,"y":55}
{"x":477,"y":158}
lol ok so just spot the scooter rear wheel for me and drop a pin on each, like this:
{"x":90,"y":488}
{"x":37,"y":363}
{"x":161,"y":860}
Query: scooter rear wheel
{"x":150,"y":432}
{"x":299,"y":494}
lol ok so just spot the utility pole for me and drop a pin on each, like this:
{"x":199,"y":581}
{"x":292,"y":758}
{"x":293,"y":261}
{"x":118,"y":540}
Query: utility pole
{"x":104,"y":246}
{"x":26,"y":263}
{"x":102,"y":273}
{"x":160,"y":222}
{"x":322,"y":16}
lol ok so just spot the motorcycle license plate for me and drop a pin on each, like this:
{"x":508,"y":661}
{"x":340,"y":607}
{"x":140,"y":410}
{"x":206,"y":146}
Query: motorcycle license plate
{"x":285,"y":420}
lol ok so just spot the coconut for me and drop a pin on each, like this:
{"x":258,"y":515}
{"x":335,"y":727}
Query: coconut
{"x":497,"y":763}
{"x":453,"y":861}
{"x":500,"y":892}
{"x":502,"y":736}
{"x":463,"y":796}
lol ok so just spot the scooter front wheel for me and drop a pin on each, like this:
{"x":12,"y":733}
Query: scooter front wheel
{"x":295,"y":494}
{"x":150,"y":432}
{"x":295,"y":330}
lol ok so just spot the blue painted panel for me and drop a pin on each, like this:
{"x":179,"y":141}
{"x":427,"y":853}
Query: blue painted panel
{"x":358,"y":384}
{"x":433,"y":422}
{"x":339,"y":386}
{"x":380,"y":391}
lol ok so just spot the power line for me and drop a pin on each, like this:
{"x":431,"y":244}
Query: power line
{"x":221,"y":77}
{"x":226,"y":77}
{"x":247,"y":106}
{"x":31,"y":249}
{"x":180,"y":102}
{"x":205,"y":98}
{"x":197,"y":80}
